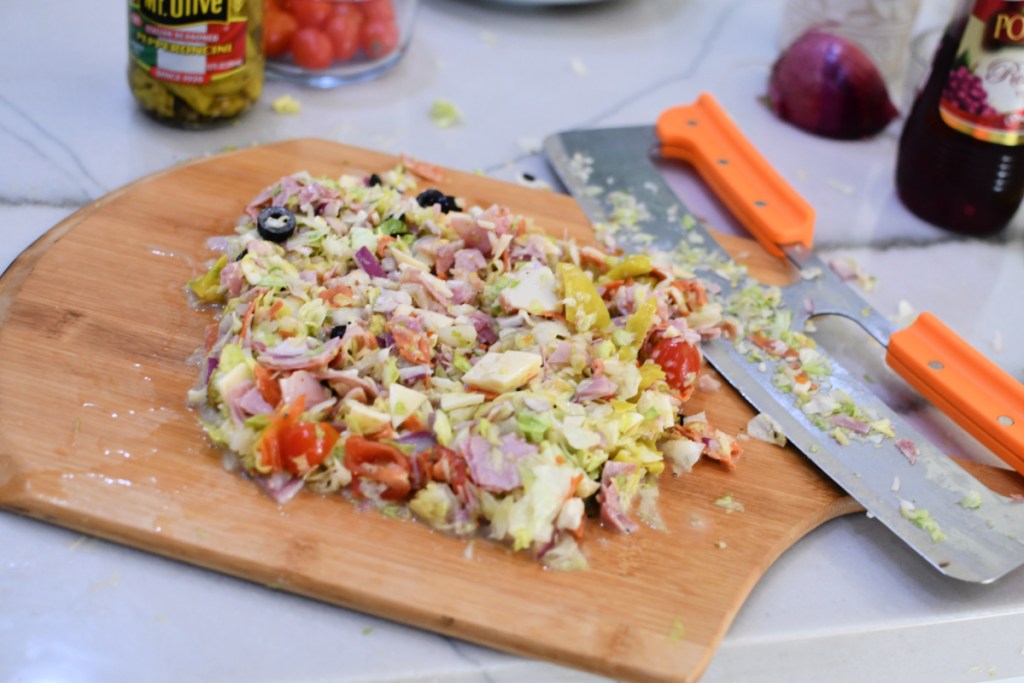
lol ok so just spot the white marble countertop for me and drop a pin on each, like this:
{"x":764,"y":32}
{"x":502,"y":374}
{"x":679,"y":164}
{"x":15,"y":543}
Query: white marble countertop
{"x":848,"y":603}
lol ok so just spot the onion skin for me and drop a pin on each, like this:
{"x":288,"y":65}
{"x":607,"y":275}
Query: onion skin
{"x":826,"y":85}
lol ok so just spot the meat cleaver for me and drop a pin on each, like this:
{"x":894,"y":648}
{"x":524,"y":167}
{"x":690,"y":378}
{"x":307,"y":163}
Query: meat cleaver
{"x":947,"y":516}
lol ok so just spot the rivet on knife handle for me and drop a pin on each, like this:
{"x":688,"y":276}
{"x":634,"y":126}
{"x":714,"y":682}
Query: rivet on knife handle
{"x":703,"y":135}
{"x":966,"y":386}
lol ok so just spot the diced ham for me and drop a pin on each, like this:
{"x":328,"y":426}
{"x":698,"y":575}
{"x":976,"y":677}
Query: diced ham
{"x":231,"y":278}
{"x":497,"y":218}
{"x":234,"y":398}
{"x":345,"y":381}
{"x":435,"y":287}
{"x":593,"y":388}
{"x":484,"y":325}
{"x":858,"y":426}
{"x":462,"y":292}
{"x":302,"y":383}
{"x":561,"y":356}
{"x":610,"y":498}
{"x":289,"y":355}
{"x":315,"y":193}
{"x":444,"y":256}
{"x":253,"y":403}
{"x":492,"y":469}
{"x":472,"y":233}
{"x":908,"y":448}
{"x":468,"y":261}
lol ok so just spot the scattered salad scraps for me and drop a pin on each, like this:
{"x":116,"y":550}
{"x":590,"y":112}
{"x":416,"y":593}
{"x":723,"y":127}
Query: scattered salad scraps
{"x":286,"y":104}
{"x":922,"y":519}
{"x":444,"y":113}
{"x":766,"y":428}
{"x":453,"y":363}
{"x":729,"y":504}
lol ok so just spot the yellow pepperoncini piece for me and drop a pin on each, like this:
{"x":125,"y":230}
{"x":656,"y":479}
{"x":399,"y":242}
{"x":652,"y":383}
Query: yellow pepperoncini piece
{"x":638,"y":325}
{"x":650,"y":372}
{"x":584,"y":308}
{"x":207,"y":285}
{"x":633,"y":265}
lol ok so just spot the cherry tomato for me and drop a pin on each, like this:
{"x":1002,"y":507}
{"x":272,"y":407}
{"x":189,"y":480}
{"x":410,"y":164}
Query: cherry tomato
{"x":379,"y":462}
{"x":680,"y":361}
{"x":343,"y":31}
{"x":377,"y":9}
{"x":304,"y":445}
{"x":379,"y":37}
{"x":278,"y":28}
{"x":346,"y":9}
{"x":310,"y":12}
{"x":312,"y":49}
{"x":293,"y":446}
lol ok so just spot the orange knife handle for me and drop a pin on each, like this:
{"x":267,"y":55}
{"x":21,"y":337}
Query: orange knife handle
{"x":968,"y":387}
{"x":703,"y":135}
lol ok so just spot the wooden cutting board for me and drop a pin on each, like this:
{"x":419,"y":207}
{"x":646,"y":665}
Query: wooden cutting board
{"x":96,"y":334}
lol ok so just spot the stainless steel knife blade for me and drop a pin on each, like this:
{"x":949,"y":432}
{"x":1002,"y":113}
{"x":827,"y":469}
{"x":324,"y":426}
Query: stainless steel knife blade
{"x":922,"y":502}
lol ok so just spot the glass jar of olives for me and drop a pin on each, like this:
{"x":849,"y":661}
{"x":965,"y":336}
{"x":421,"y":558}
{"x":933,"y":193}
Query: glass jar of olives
{"x":195,"y":63}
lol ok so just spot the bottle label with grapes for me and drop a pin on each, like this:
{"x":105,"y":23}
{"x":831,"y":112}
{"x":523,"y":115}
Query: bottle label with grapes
{"x":192,"y":42}
{"x":984,"y":94}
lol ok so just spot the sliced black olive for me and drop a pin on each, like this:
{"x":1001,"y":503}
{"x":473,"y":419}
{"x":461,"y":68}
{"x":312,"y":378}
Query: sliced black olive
{"x":338,"y":331}
{"x":275,"y":224}
{"x":374,"y":179}
{"x":434,"y":196}
{"x":241,"y":254}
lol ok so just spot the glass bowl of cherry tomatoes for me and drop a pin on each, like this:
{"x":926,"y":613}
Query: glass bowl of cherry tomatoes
{"x":326,"y":43}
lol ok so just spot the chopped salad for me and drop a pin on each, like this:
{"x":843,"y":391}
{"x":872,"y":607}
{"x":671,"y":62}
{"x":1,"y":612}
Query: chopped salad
{"x":449,"y":362}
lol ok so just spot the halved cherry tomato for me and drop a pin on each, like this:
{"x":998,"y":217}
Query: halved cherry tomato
{"x":278,"y":28}
{"x":343,"y":31}
{"x":304,"y":445}
{"x":310,"y":12}
{"x":680,"y":361}
{"x":379,"y":37}
{"x":293,"y":446}
{"x":267,"y":385}
{"x":312,"y":49}
{"x":379,"y":462}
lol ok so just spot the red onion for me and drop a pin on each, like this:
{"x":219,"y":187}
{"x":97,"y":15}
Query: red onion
{"x":369,"y":263}
{"x":826,"y":85}
{"x":280,"y":486}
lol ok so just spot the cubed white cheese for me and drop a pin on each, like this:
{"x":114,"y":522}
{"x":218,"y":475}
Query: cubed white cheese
{"x":403,"y":402}
{"x":501,"y":371}
{"x":455,"y":401}
{"x":362,"y":419}
{"x":534,"y":292}
{"x":402,"y":258}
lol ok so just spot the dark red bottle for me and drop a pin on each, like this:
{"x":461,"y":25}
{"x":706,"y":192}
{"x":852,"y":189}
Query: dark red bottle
{"x":961,"y":154}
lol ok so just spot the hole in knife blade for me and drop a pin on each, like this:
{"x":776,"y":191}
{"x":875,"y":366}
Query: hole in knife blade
{"x":936,"y":365}
{"x":1005,"y":420}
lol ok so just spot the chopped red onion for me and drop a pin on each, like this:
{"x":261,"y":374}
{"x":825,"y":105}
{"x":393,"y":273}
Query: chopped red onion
{"x":369,"y":263}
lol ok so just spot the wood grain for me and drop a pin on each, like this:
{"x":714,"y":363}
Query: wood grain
{"x":96,"y":335}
